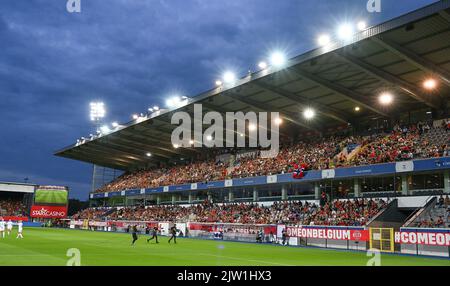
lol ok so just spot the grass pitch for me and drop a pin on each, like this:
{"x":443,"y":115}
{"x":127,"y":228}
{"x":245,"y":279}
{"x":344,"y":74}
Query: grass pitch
{"x":48,"y":247}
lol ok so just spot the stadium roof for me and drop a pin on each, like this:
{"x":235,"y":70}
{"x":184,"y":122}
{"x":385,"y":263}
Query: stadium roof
{"x":395,"y":56}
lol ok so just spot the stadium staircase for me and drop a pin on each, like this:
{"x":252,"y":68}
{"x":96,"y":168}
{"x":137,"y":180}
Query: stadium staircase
{"x":392,"y":217}
{"x":427,"y":212}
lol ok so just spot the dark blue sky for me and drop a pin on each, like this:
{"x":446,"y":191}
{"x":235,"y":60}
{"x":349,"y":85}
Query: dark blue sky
{"x":131,"y":54}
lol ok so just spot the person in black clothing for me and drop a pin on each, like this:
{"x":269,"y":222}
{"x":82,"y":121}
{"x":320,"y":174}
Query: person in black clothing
{"x":284,"y":236}
{"x":154,"y":235}
{"x":134,"y":232}
{"x":173,"y":232}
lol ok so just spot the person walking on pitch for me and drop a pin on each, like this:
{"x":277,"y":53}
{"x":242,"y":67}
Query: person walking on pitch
{"x":154,"y":235}
{"x":173,"y":232}
{"x":134,"y":232}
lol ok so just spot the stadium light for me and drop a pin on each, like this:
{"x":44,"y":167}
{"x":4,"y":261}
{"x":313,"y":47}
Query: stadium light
{"x":209,"y":138}
{"x":357,"y":108}
{"x":150,"y":109}
{"x":309,"y":113}
{"x":430,"y":84}
{"x":386,"y":98}
{"x":191,"y":142}
{"x":229,"y":77}
{"x":97,"y":111}
{"x":262,"y":65}
{"x":148,"y":154}
{"x":176,"y":146}
{"x":219,"y":83}
{"x":115,"y":124}
{"x":361,"y":25}
{"x":251,"y":127}
{"x":105,"y":129}
{"x":277,"y":59}
{"x":345,"y":31}
{"x":278,"y":121}
{"x":156,"y":108}
{"x":135,"y":116}
{"x":323,"y":40}
{"x":176,"y":101}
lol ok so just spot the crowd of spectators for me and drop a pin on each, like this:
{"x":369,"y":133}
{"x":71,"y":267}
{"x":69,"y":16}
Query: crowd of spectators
{"x":10,"y":207}
{"x":438,"y":216}
{"x":340,"y":212}
{"x":405,"y":142}
{"x":91,"y":213}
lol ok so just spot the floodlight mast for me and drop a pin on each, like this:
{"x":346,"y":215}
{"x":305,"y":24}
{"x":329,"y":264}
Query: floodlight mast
{"x":97,"y":113}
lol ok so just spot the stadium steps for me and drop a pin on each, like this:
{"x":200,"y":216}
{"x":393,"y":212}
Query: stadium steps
{"x":392,"y":217}
{"x":420,"y":213}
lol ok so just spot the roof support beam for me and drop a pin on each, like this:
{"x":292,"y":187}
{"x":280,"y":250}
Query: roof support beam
{"x":117,"y":141}
{"x":128,"y":147}
{"x":225,"y":110}
{"x":76,"y":156}
{"x":444,"y":14}
{"x":94,"y":156}
{"x":288,"y":117}
{"x":158,"y":144}
{"x":351,"y":95}
{"x":99,"y":150}
{"x":410,"y":89}
{"x":323,"y":109}
{"x":413,"y":58}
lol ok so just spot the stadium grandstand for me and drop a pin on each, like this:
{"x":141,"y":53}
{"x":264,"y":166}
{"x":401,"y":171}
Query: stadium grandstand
{"x":15,"y":200}
{"x":364,"y":146}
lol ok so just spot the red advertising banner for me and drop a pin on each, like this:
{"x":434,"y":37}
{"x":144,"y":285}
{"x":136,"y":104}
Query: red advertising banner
{"x":329,"y":233}
{"x":48,"y":211}
{"x":423,"y":237}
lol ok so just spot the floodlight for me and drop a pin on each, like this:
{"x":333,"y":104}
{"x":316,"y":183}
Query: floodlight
{"x":386,"y":98}
{"x":345,"y":32}
{"x":278,"y":59}
{"x":309,"y":113}
{"x":229,"y":77}
{"x":430,"y":84}
{"x":97,"y":111}
{"x":361,"y":25}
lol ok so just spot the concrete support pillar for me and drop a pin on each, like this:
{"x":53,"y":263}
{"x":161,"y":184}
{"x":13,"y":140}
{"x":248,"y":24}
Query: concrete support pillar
{"x":405,"y":185}
{"x":158,"y":199}
{"x":316,"y":191}
{"x":284,"y":193}
{"x":209,"y":196}
{"x":447,"y":181}
{"x":230,"y":196}
{"x":357,"y":187}
{"x":190,"y":198}
{"x":255,"y":195}
{"x":173,"y":199}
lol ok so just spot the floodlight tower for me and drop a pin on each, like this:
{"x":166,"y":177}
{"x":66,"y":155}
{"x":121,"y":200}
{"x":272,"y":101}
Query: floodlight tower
{"x":97,"y":114}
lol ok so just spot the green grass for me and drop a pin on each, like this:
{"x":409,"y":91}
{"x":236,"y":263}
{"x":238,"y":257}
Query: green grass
{"x":50,"y":197}
{"x":43,"y":246}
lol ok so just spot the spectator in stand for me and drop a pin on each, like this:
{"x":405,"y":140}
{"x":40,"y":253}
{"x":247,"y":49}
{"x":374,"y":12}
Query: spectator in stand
{"x":11,"y":207}
{"x":405,"y":142}
{"x":347,"y":212}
